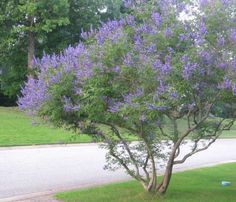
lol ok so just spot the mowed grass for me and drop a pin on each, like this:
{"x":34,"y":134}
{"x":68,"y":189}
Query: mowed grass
{"x":225,"y":134}
{"x":16,"y":128}
{"x":200,"y":185}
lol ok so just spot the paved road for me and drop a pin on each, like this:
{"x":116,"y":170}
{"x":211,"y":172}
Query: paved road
{"x":27,"y":170}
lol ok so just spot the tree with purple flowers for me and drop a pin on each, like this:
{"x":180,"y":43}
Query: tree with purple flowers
{"x":164,"y":64}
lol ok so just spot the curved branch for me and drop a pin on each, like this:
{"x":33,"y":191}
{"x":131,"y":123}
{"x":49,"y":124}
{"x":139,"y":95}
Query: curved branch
{"x":214,"y":137}
{"x":194,"y":151}
{"x":116,"y":131}
{"x":145,"y":168}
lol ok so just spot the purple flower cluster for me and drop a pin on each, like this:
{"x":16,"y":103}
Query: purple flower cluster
{"x":34,"y":94}
{"x":128,"y":3}
{"x":203,"y":28}
{"x":226,"y":84}
{"x":206,"y":57}
{"x":168,"y":32}
{"x":51,"y":70}
{"x":204,"y":3}
{"x":156,"y":17}
{"x":115,"y":107}
{"x":113,"y":30}
{"x":221,"y":41}
{"x":188,"y":70}
{"x":233,"y":35}
{"x":128,"y":60}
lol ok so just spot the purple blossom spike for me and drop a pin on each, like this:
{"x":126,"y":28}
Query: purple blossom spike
{"x":166,"y":69}
{"x":128,"y":61}
{"x":156,"y":17}
{"x":233,"y":35}
{"x":203,"y":28}
{"x":130,"y":20}
{"x":221,"y":41}
{"x":181,"y":7}
{"x":204,"y":3}
{"x":183,"y":37}
{"x":138,"y":42}
{"x":226,"y":2}
{"x":117,"y":69}
{"x":185,"y":58}
{"x":223,"y":65}
{"x":68,"y":107}
{"x":234,"y":89}
{"x":157,"y":64}
{"x":128,"y":99}
{"x":206,"y":57}
{"x":128,"y":3}
{"x":188,"y":70}
{"x":116,"y":107}
{"x":152,"y":48}
{"x":34,"y":94}
{"x":168,"y":32}
{"x":78,"y":91}
{"x":174,"y":95}
{"x":226,"y":84}
{"x":84,"y":35}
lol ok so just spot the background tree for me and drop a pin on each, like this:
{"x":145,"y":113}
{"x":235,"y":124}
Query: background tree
{"x":23,"y":24}
{"x":29,"y":27}
{"x":83,"y":16}
{"x":31,"y":19}
{"x":8,"y":53}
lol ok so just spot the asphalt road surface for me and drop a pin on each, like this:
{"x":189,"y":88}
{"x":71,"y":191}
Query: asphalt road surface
{"x":47,"y":169}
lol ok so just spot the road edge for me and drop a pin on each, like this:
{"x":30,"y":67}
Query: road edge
{"x":51,"y":193}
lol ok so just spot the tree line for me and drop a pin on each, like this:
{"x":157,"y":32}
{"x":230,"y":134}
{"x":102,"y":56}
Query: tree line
{"x":32,"y":28}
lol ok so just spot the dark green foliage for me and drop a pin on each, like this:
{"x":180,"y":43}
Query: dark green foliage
{"x":58,"y":23}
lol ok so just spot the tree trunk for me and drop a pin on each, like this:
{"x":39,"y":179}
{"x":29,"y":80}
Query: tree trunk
{"x":162,"y":188}
{"x":31,"y":50}
{"x":152,"y":184}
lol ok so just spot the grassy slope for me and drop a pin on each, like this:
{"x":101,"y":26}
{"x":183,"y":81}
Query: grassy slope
{"x":17,"y":129}
{"x":200,"y":185}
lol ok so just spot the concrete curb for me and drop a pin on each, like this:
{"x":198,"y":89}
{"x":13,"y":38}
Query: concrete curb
{"x":66,"y":145}
{"x":49,"y":146}
{"x":26,"y":197}
{"x":53,"y":192}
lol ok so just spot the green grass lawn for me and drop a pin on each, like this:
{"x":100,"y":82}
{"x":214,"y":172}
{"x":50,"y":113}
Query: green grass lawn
{"x":200,"y":185}
{"x":225,"y":134}
{"x":16,"y":128}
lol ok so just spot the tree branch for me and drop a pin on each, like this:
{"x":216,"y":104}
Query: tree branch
{"x":116,"y":131}
{"x":194,"y":151}
{"x":145,"y":167}
{"x":214,"y":137}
